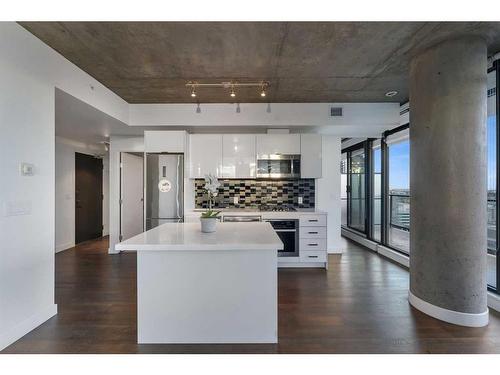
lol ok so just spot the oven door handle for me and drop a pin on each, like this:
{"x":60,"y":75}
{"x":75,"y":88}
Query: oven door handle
{"x":286,"y":230}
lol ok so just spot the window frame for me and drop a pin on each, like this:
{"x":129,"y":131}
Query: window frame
{"x":496,"y":67}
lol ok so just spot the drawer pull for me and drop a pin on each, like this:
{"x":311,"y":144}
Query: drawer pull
{"x":312,"y":244}
{"x":313,"y":220}
{"x":312,"y":256}
{"x":312,"y":232}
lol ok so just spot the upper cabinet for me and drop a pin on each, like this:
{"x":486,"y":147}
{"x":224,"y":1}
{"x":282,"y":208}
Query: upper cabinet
{"x":238,"y":156}
{"x":310,"y":156}
{"x":205,"y":155}
{"x":165,"y":141}
{"x":287,"y":144}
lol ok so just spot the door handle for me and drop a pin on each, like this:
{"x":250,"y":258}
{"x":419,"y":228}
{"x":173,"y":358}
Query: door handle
{"x":312,"y":244}
{"x":312,"y":256}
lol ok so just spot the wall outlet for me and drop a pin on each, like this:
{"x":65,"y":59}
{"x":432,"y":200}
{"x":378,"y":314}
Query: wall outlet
{"x":235,"y":200}
{"x":300,"y":200}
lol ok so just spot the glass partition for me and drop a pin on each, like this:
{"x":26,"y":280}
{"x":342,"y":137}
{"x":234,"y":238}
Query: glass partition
{"x":343,"y":188}
{"x":356,"y":201}
{"x":492,"y":180}
{"x":398,"y":215}
{"x":376,"y":191}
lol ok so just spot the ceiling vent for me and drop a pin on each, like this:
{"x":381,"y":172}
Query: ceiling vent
{"x":336,"y":111}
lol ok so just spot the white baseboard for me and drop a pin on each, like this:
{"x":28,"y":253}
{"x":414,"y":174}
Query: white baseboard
{"x":494,"y":301}
{"x":396,"y":256}
{"x":450,"y":316}
{"x":301,"y":265}
{"x":359,"y":239}
{"x":22,"y":328}
{"x":64,"y":246}
{"x":335,"y":251}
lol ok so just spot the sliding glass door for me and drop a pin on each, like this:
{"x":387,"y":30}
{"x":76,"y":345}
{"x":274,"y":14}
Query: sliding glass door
{"x":492,"y":195}
{"x":357,"y":190}
{"x":398,"y":192}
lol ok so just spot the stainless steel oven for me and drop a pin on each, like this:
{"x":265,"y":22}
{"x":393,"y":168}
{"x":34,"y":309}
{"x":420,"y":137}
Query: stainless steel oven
{"x":278,"y":166}
{"x":288,"y":232}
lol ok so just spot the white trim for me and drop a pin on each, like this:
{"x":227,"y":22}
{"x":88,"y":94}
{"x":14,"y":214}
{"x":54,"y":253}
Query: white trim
{"x":113,"y":251}
{"x":396,"y":256}
{"x":24,"y":327}
{"x":64,"y":246}
{"x":494,"y":301}
{"x":359,"y":239}
{"x":302,"y":265}
{"x":450,"y":316}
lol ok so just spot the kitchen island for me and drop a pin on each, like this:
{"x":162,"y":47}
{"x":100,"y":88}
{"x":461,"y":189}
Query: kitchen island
{"x":195,"y":287}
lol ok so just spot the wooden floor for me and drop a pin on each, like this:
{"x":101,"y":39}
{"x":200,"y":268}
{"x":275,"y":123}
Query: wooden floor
{"x":358,"y":306}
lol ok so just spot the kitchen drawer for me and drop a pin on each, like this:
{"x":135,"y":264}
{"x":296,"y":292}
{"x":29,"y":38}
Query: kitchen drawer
{"x":308,"y":244}
{"x":312,"y":220}
{"x":313,"y":256}
{"x":312,"y":232}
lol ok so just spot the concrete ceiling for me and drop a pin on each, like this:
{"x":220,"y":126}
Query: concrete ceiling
{"x":146,"y":62}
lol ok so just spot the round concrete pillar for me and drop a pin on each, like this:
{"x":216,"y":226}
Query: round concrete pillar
{"x":448,"y":182}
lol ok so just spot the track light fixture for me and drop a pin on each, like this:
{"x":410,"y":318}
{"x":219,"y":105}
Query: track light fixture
{"x":231,"y":85}
{"x":263,"y":91}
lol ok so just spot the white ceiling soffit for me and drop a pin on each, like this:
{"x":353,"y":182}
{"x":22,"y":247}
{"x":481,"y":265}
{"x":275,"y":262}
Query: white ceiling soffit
{"x":79,"y":121}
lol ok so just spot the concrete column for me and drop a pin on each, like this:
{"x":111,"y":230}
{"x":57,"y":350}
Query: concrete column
{"x":448,"y":182}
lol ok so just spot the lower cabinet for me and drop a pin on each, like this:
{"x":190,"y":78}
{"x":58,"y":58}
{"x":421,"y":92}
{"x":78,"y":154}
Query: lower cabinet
{"x":313,"y":239}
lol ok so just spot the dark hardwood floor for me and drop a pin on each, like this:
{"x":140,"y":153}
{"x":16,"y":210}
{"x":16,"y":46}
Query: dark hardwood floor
{"x":358,"y":306}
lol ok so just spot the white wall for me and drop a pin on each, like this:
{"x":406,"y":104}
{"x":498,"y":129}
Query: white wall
{"x":29,"y":73}
{"x":118,"y":144}
{"x":359,"y":119}
{"x":328,"y":191}
{"x":65,"y":189}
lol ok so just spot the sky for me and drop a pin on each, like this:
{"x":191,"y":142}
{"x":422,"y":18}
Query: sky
{"x":399,"y":165}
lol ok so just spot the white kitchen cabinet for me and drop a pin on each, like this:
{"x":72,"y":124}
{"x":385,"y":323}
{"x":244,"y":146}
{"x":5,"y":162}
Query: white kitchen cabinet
{"x":287,"y":144}
{"x":205,"y":155}
{"x":238,"y":156}
{"x":310,"y":156}
{"x":165,"y":141}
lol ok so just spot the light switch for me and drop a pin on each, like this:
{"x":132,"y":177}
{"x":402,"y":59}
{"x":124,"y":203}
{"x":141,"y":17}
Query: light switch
{"x":27,"y":169}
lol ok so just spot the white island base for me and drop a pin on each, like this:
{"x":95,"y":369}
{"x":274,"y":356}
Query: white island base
{"x":195,"y":287}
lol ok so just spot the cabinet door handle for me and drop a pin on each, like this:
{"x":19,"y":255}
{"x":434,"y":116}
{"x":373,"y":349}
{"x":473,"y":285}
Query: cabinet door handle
{"x":312,"y":244}
{"x":312,"y":256}
{"x":313,"y":220}
{"x":312,"y":232}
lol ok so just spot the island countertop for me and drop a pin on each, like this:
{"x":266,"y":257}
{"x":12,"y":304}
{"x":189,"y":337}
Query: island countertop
{"x":188,"y":236}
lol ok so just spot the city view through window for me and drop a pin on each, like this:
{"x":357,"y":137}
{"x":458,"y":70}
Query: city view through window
{"x":492,"y":180}
{"x":399,"y":195}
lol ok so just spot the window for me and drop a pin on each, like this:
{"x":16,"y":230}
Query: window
{"x":492,"y":150}
{"x":343,"y":188}
{"x":376,"y":191}
{"x":356,"y":201}
{"x":398,"y":194}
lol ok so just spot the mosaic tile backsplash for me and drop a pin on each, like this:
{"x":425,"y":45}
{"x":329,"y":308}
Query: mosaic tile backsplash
{"x":253,"y":193}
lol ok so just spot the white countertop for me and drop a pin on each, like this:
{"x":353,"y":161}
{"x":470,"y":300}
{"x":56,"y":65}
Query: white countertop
{"x":188,"y":236}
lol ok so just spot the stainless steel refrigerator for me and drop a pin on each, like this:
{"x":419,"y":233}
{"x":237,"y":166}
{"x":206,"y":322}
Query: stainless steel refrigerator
{"x":164,"y":189}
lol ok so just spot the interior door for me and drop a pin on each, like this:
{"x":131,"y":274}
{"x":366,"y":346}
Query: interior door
{"x":131,"y":194}
{"x":88,"y":197}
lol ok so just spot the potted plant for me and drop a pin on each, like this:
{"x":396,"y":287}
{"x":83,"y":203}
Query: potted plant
{"x":209,"y":218}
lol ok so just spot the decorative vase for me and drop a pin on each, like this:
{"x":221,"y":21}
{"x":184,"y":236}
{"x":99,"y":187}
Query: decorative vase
{"x":208,"y":224}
